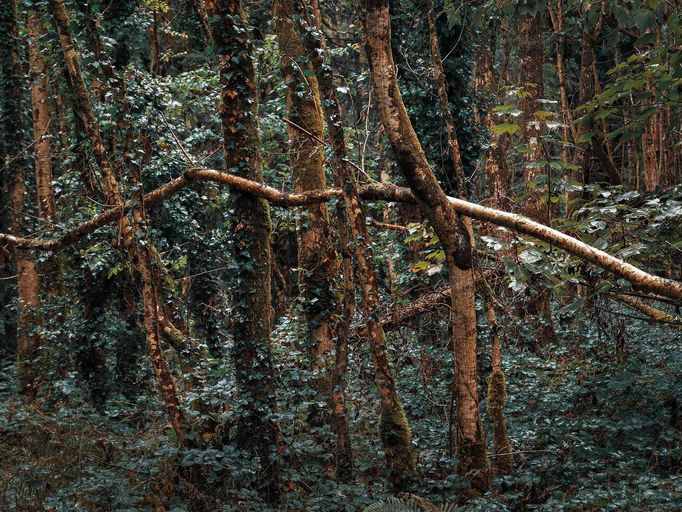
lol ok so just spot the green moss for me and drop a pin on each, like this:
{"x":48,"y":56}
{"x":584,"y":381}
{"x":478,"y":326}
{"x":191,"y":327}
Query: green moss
{"x":497,"y":397}
{"x":497,"y":391}
{"x":396,"y":438}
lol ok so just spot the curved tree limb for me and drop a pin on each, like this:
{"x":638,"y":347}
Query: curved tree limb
{"x":376,"y":191}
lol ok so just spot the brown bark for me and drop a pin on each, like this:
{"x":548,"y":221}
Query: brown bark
{"x":537,"y":205}
{"x":42,"y":145}
{"x":569,"y":132}
{"x":251,"y":296}
{"x":497,"y":392}
{"x":395,"y":430}
{"x":28,"y":280}
{"x":435,"y":205}
{"x":498,"y":180}
{"x":316,"y":252}
{"x":347,"y":245}
{"x":139,"y":255}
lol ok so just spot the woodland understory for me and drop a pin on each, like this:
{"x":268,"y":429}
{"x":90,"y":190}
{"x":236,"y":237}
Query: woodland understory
{"x":304,"y":255}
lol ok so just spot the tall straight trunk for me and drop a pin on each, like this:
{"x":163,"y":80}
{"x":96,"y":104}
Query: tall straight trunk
{"x":569,"y":134}
{"x":471,"y":447}
{"x":500,"y":431}
{"x":251,"y":225}
{"x":498,"y":179}
{"x":530,"y":55}
{"x":595,"y":150}
{"x":40,"y":103}
{"x":316,"y":252}
{"x":348,"y":247}
{"x":140,"y":255}
{"x":28,"y":280}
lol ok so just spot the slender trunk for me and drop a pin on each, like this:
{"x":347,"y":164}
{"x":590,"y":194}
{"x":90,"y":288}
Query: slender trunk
{"x":28,"y":280}
{"x":347,"y":246}
{"x":569,"y":134}
{"x":316,"y":253}
{"x":435,"y":205}
{"x":461,"y":278}
{"x":530,"y":55}
{"x":650,"y":137}
{"x":395,"y":430}
{"x":42,"y":145}
{"x":139,"y":255}
{"x":252,"y":228}
{"x":497,"y":391}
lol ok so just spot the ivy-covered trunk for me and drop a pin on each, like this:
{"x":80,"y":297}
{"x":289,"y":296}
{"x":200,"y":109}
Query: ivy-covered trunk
{"x":141,"y":256}
{"x":436,"y":206}
{"x":16,"y":166}
{"x":347,"y":242}
{"x":251,"y":295}
{"x":396,"y":435}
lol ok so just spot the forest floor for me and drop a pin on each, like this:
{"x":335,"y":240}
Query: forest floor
{"x":595,"y":425}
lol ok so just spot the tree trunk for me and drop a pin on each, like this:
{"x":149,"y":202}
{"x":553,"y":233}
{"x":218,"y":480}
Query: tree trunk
{"x":139,"y":255}
{"x":251,"y":226}
{"x":396,"y":435}
{"x":348,"y":243}
{"x":497,"y":391}
{"x":435,"y":205}
{"x":531,"y":73}
{"x":497,"y":176}
{"x":316,"y":252}
{"x":28,"y":281}
{"x":42,"y":145}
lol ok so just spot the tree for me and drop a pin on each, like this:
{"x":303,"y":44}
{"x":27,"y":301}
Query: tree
{"x":28,"y":279}
{"x":251,"y":296}
{"x":434,"y":203}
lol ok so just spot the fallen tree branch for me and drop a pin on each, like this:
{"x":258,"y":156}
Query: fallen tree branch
{"x":655,"y":314}
{"x":375,"y":191}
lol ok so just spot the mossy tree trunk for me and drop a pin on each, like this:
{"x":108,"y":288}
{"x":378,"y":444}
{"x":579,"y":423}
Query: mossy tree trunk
{"x":317,"y":261}
{"x":396,"y":435}
{"x":436,"y":206}
{"x":16,"y":166}
{"x":497,"y":390}
{"x":347,"y":243}
{"x":141,"y":256}
{"x":251,"y":295}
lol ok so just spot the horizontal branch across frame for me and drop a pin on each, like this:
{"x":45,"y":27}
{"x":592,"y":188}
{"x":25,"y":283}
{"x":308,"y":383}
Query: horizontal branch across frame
{"x":375,"y":191}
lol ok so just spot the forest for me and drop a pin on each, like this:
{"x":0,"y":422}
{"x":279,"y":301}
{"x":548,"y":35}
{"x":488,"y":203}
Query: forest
{"x":316,"y":255}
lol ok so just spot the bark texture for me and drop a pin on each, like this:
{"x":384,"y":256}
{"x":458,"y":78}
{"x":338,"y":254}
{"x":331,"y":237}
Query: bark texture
{"x":537,"y":205}
{"x":348,"y":243}
{"x":28,"y":280}
{"x":317,"y":261}
{"x":42,"y":144}
{"x":140,"y":255}
{"x":251,"y":224}
{"x":435,"y":205}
